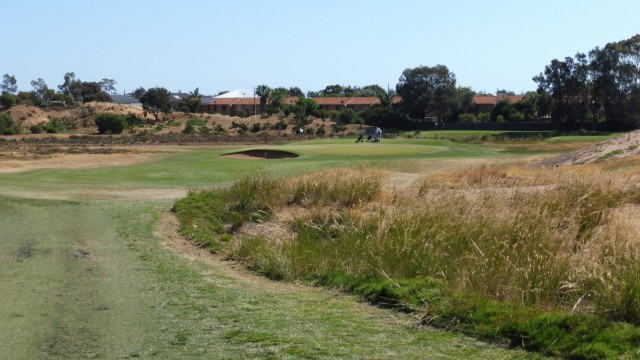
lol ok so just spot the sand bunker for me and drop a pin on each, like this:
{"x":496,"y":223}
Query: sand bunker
{"x":263,"y":154}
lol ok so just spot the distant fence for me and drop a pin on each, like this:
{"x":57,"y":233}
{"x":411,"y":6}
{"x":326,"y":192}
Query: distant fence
{"x":530,"y":126}
{"x":495,"y":126}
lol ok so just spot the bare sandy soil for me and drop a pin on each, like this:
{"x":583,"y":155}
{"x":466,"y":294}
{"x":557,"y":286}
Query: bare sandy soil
{"x":71,"y":161}
{"x":28,"y":158}
{"x":83,"y":115}
{"x":620,"y":147}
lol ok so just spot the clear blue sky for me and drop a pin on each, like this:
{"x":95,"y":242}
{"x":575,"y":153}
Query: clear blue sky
{"x":225,"y":45}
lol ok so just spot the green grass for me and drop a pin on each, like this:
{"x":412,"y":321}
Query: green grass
{"x":586,"y":137}
{"x":68,"y":289}
{"x":206,"y":167}
{"x":204,"y":219}
{"x":455,"y":134}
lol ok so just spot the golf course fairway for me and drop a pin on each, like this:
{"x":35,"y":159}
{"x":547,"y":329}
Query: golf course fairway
{"x":91,"y":267}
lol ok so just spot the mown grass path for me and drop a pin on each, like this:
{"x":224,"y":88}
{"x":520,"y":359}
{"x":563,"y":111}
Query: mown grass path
{"x":86,"y":278}
{"x":70,"y":287}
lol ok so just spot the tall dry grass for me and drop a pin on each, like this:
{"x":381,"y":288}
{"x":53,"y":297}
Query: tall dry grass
{"x":548,"y":239}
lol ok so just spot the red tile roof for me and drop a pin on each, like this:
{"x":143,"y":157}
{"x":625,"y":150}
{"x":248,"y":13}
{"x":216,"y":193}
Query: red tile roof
{"x":371,"y":100}
{"x":332,"y":100}
{"x":492,"y":100}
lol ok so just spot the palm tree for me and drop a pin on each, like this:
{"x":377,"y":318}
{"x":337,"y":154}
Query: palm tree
{"x":263,"y":91}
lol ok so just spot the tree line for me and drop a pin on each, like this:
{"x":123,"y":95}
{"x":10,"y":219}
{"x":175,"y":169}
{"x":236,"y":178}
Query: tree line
{"x":599,"y":87}
{"x":580,"y":92}
{"x":71,"y":91}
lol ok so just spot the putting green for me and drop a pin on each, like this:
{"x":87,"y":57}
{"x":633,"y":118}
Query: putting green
{"x":363,"y":150}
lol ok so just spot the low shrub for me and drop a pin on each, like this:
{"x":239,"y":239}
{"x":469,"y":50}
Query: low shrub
{"x":133,"y":121}
{"x":8,"y":100}
{"x":281,"y":125}
{"x":242,"y":128}
{"x":204,"y":130}
{"x":109,"y":123}
{"x":7,"y":125}
{"x":255,"y":127}
{"x":219,"y":129}
{"x":36,"y":129}
{"x":467,"y":117}
{"x":189,"y":129}
{"x":196,"y":122}
{"x":60,"y":125}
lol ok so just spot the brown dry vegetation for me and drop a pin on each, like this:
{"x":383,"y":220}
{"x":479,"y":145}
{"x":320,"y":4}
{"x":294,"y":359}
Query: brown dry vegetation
{"x":82,"y":115}
{"x":548,"y":238}
{"x":547,"y":258}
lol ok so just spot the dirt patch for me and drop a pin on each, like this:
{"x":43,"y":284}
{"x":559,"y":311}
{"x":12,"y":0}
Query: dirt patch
{"x":620,"y":147}
{"x":17,"y":162}
{"x":262,"y":154}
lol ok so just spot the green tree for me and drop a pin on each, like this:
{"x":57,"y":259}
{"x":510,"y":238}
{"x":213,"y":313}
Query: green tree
{"x":465,"y":103}
{"x":108,"y":86}
{"x":263,"y":91}
{"x":71,"y":86}
{"x":41,"y":91}
{"x":616,"y":80}
{"x":332,"y":91}
{"x":373,"y":90}
{"x":465,"y":99}
{"x":137,"y":93}
{"x":295,"y":91}
{"x":195,"y":93}
{"x":529,"y":105}
{"x":428,"y":91}
{"x":308,"y":105}
{"x":156,"y":100}
{"x":349,"y":116}
{"x":504,"y":109}
{"x":278,"y":97}
{"x":92,"y":91}
{"x":7,"y":100}
{"x":606,"y":82}
{"x":567,"y":83}
{"x":191,"y":103}
{"x":503,"y":92}
{"x":349,"y":91}
{"x":9,"y":84}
